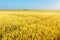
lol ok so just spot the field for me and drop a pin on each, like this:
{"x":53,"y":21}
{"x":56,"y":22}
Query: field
{"x":30,"y":25}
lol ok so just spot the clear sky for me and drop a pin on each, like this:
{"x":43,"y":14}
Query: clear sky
{"x":29,"y":4}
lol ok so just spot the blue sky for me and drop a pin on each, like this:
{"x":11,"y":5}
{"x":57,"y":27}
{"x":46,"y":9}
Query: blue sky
{"x":30,"y":4}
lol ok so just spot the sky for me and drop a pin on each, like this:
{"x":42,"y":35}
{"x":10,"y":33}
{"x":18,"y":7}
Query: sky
{"x":30,"y":4}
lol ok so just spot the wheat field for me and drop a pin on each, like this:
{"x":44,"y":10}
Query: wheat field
{"x":29,"y":25}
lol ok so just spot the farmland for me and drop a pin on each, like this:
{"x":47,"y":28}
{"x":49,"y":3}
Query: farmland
{"x":29,"y":25}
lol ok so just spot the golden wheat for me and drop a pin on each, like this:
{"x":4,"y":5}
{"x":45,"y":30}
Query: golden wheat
{"x":29,"y":25}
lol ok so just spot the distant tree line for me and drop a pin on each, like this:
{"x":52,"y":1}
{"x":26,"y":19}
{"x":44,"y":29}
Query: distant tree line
{"x":26,"y":9}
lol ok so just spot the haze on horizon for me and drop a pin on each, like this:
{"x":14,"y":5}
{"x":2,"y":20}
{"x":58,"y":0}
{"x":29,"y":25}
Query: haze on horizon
{"x":30,"y":4}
